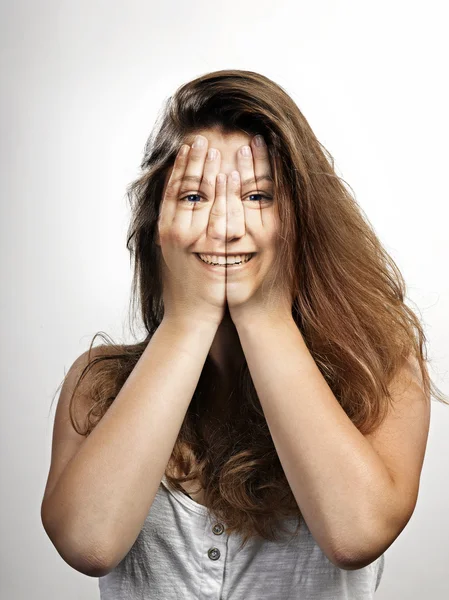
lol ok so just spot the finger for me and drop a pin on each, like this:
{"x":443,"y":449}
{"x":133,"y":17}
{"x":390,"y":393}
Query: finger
{"x":191,"y":183}
{"x":257,"y":180}
{"x":235,"y":215}
{"x":170,"y":195}
{"x":248,"y":187}
{"x":261,"y":159}
{"x":202,"y":209}
{"x":248,"y":184}
{"x":217,"y":215}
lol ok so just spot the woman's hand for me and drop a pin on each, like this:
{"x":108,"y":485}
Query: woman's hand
{"x":191,"y":291}
{"x":257,"y":293}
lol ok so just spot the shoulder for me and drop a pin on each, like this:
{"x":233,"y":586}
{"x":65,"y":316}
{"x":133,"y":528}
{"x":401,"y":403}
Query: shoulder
{"x":82,"y":376}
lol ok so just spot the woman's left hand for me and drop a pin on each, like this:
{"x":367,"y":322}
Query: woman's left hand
{"x":253,"y":293}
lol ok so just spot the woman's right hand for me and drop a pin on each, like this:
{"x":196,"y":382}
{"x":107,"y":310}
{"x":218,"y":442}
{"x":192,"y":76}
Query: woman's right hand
{"x":193,"y":292}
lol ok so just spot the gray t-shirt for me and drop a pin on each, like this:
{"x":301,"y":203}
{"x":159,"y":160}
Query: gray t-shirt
{"x":182,"y":553}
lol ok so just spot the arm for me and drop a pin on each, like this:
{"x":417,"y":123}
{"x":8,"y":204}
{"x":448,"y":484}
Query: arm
{"x":353,"y":506}
{"x":96,"y":509}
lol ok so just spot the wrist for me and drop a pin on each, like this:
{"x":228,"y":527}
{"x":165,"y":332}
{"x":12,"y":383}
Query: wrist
{"x":272,"y":321}
{"x":189,"y":325}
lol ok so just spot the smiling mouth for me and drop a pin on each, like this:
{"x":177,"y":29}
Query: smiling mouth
{"x":243,"y":262}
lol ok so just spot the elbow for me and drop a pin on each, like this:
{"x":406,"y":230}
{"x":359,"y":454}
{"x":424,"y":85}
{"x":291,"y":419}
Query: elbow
{"x":366,"y":545}
{"x":354,"y":561}
{"x":364,"y":549}
{"x":86,"y":565}
{"x":351,"y":558}
{"x":82,"y":556}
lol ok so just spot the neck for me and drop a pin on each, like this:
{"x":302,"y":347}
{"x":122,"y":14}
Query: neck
{"x":227,"y":357}
{"x":226,"y":351}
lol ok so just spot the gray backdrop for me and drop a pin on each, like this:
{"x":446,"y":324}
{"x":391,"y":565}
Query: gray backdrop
{"x":81,"y":86}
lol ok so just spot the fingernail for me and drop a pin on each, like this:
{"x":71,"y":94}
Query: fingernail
{"x":259,"y":141}
{"x":211,"y":154}
{"x":199,"y":142}
{"x":235,"y":176}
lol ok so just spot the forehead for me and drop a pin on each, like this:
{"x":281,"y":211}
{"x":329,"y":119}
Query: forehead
{"x":227,"y":143}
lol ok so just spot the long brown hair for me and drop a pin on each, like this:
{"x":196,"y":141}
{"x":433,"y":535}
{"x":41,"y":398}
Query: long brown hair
{"x":348,"y":298}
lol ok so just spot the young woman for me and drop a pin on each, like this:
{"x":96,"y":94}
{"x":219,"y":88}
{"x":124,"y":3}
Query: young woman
{"x":266,"y":438}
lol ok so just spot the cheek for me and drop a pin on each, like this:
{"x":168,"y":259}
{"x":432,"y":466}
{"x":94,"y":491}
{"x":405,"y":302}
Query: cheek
{"x":166,"y":182}
{"x":269,"y":234}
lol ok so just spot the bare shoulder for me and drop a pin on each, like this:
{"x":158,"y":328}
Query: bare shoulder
{"x":82,"y":386}
{"x":67,"y":439}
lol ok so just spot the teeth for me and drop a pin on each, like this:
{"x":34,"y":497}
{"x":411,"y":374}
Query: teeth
{"x":221,"y":260}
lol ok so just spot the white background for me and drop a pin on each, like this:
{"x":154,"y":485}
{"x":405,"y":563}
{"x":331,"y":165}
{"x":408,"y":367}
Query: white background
{"x":82,"y":83}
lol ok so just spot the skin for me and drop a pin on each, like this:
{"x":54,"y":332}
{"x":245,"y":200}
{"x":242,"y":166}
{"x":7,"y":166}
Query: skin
{"x":251,"y":226}
{"x":352,"y":489}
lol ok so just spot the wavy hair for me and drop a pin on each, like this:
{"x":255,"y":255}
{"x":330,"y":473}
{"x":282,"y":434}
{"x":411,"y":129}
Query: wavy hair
{"x":348,"y":299}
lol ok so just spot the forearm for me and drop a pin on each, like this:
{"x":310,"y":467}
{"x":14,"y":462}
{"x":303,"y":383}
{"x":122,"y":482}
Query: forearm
{"x":102,"y":498}
{"x":341,"y":485}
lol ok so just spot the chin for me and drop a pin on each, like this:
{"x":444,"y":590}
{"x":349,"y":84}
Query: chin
{"x":237,"y":293}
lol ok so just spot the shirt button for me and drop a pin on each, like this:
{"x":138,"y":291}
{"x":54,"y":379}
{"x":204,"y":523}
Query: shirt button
{"x":218,"y":528}
{"x":214,"y":553}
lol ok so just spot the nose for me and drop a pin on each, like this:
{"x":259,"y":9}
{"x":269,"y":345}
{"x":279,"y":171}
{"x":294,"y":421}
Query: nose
{"x":230,"y":224}
{"x":229,"y":227}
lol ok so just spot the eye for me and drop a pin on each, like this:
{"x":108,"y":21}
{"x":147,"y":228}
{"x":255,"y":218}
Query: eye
{"x":263,"y":196}
{"x":184,"y":199}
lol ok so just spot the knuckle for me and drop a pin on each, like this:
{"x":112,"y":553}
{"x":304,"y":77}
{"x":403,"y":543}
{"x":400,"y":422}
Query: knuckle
{"x":217,"y":212}
{"x":196,"y":157}
{"x":208,"y":182}
{"x":172,"y":187}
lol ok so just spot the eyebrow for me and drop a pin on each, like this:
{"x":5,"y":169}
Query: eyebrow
{"x":251,"y":180}
{"x":260,"y":178}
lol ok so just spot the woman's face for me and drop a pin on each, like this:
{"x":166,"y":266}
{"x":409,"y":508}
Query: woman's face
{"x":254,"y":233}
